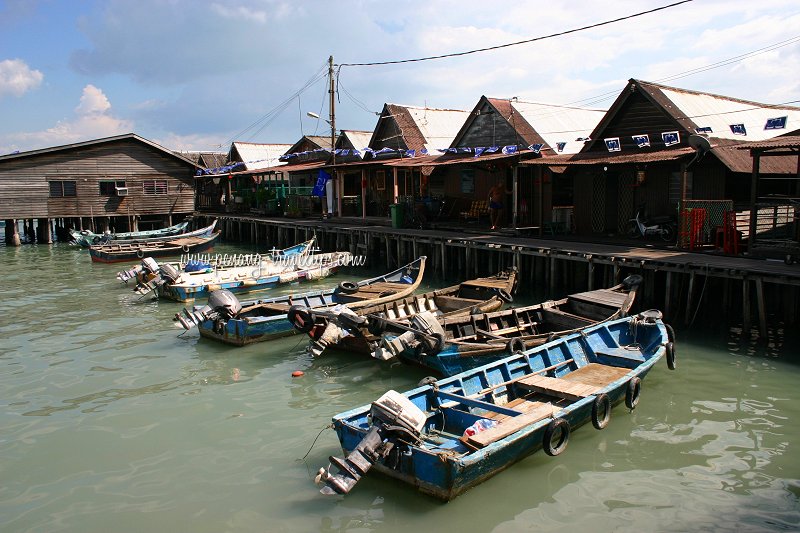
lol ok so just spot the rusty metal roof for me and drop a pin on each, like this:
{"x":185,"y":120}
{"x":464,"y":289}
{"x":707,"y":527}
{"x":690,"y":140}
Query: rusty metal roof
{"x":616,"y":158}
{"x":789,"y":141}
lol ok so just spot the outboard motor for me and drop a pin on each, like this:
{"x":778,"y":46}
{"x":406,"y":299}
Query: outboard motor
{"x":338,"y":323}
{"x":161,"y":275}
{"x":147,"y":268}
{"x":425,"y":330}
{"x":221,"y":304}
{"x":395,"y":419}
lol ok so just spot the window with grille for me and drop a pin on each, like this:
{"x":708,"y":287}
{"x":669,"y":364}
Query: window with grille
{"x":63,"y":188}
{"x":154,"y":187}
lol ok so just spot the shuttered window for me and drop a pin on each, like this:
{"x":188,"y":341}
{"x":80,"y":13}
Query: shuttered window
{"x":61,"y":189}
{"x":154,"y":187}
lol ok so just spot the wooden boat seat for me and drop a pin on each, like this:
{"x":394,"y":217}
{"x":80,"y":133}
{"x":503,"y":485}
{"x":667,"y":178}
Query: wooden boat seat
{"x":596,"y":374}
{"x":451,"y":303}
{"x":511,"y":424}
{"x":486,"y":283}
{"x":604,"y":297}
{"x":572,"y":390}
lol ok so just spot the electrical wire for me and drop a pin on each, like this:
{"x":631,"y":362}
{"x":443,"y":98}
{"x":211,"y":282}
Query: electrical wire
{"x":526,"y":41}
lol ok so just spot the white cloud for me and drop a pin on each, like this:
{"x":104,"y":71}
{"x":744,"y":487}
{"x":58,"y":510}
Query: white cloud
{"x":93,"y":101}
{"x":240,"y":13}
{"x":92,"y":120}
{"x":17,"y":78}
{"x":194,"y":142}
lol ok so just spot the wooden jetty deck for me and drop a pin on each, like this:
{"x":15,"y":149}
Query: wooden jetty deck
{"x":676,"y":281}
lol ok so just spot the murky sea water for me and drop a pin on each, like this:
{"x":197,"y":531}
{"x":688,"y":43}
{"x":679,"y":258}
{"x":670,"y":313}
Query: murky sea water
{"x":112,"y":421}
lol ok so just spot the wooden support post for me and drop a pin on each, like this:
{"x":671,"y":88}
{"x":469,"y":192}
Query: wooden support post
{"x":745,"y":308}
{"x":668,"y":296}
{"x":590,"y":275}
{"x":444,"y":259}
{"x":762,"y":311}
{"x":689,"y":299}
{"x":552,"y":277}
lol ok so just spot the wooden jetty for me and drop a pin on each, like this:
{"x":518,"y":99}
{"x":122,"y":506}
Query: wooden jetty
{"x":678,"y":281}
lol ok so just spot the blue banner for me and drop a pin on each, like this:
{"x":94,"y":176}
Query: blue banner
{"x":322,"y":180}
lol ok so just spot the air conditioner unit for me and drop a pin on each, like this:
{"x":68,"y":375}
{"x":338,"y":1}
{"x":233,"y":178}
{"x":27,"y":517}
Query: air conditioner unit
{"x":121,"y":191}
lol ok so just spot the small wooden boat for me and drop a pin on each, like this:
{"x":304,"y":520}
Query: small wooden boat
{"x":173,"y":246}
{"x":86,"y":238}
{"x":448,"y":436}
{"x":189,"y":286}
{"x":226,"y":320}
{"x":342,"y":328}
{"x":452,"y":344}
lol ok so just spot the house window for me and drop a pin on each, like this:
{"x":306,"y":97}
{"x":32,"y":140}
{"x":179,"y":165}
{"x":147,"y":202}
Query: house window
{"x":109,"y":188}
{"x":154,"y":187}
{"x":61,"y":189}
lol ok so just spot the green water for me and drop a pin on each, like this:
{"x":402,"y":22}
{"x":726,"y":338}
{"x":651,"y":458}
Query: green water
{"x":112,"y":421}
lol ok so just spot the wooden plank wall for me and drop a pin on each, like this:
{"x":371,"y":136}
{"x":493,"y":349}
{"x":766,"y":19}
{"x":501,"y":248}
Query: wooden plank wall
{"x":24,"y":189}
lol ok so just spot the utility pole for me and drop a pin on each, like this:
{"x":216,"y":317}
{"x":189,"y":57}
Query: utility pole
{"x":332,"y":109}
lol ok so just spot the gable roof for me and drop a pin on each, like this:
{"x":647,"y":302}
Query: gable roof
{"x":531,"y":123}
{"x":685,"y":111}
{"x":417,"y":128}
{"x":257,"y":156}
{"x":93,"y":142}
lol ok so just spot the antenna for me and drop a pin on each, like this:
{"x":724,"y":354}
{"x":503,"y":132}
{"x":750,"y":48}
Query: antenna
{"x":701,"y":143}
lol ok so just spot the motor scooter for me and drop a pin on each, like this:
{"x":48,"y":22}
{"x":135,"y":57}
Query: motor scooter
{"x":663,"y":226}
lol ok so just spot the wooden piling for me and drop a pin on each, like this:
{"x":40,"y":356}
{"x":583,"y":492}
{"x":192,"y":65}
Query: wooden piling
{"x":761,"y":305}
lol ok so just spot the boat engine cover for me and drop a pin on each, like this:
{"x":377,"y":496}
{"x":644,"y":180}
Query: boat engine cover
{"x":224,"y":302}
{"x":396,"y":409}
{"x":169,"y":272}
{"x":427,"y":322}
{"x":150,"y":264}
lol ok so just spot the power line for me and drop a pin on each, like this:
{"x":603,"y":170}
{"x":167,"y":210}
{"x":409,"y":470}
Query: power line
{"x":526,"y":41}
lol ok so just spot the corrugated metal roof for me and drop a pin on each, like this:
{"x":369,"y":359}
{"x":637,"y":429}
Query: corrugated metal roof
{"x":789,"y":141}
{"x":438,"y":126}
{"x":594,"y":158}
{"x":358,"y":140}
{"x":258,"y":156}
{"x":720,"y":112}
{"x":556,"y":124}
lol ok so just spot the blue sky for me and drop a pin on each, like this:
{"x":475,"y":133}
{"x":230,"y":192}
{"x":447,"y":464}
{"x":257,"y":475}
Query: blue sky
{"x":194,"y":74}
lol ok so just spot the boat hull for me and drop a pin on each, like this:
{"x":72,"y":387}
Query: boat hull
{"x":268,"y":325}
{"x":107,"y":254}
{"x":444,"y":467}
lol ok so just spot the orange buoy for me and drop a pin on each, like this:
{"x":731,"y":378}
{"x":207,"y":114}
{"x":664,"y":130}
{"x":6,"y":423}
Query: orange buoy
{"x":297,"y":373}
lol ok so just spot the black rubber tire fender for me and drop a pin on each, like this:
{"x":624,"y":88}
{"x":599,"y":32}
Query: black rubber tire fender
{"x":633,"y":392}
{"x":95,"y":240}
{"x":348,"y":287}
{"x":427,"y":380}
{"x":515,"y":345}
{"x":301,"y":318}
{"x":504,"y":295}
{"x":433,"y":344}
{"x":556,"y":437}
{"x":140,"y":254}
{"x":601,"y":411}
{"x":670,"y":355}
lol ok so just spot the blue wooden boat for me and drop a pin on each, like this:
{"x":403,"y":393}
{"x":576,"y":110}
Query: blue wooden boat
{"x":226,"y":320}
{"x":449,"y":344}
{"x":169,"y":247}
{"x":86,"y":238}
{"x":446,"y":437}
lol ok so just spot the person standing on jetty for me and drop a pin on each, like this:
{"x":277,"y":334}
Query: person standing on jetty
{"x":496,"y":197}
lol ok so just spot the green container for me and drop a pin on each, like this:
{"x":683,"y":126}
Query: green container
{"x":397,"y":211}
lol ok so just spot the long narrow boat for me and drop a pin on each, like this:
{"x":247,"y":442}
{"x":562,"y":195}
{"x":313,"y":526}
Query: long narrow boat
{"x":341,"y":329}
{"x":452,"y":344}
{"x":150,"y":273}
{"x":174,"y":246}
{"x":86,"y":238}
{"x":227,"y":320}
{"x":189,"y":286}
{"x":446,"y":437}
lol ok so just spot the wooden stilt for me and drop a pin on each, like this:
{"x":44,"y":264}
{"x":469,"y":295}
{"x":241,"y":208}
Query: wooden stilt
{"x":668,"y":296}
{"x":689,"y":299}
{"x":745,"y":308}
{"x":762,"y":312}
